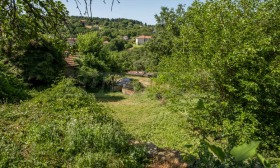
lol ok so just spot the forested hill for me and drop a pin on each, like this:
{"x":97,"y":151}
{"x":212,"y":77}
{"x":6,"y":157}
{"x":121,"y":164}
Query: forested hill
{"x":109,"y":28}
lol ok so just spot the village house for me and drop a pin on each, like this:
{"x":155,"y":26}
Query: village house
{"x":83,"y":22}
{"x":71,"y":41}
{"x":71,"y":69}
{"x":106,"y":42}
{"x":142,"y":39}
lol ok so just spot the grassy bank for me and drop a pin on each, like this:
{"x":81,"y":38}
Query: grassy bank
{"x":64,"y":127}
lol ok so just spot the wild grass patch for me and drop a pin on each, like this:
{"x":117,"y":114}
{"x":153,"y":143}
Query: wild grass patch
{"x":64,"y":127}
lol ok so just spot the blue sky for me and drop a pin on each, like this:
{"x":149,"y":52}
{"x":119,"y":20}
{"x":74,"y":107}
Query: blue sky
{"x":142,"y":10}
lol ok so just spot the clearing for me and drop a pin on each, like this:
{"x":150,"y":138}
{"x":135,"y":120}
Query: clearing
{"x":148,"y":120}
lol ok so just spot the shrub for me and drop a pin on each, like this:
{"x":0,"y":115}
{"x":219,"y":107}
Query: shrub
{"x":228,"y":52}
{"x":12,"y":89}
{"x":63,"y":127}
{"x":137,"y":86}
{"x":41,"y":62}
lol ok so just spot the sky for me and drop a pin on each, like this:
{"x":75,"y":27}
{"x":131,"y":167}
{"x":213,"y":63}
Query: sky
{"x":142,"y":10}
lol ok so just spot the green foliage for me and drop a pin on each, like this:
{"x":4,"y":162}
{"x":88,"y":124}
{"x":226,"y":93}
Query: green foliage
{"x":148,"y":120}
{"x":94,"y":60}
{"x":241,"y":154}
{"x":12,"y":89}
{"x":25,"y":26}
{"x":88,"y":77}
{"x":117,"y":44}
{"x":112,"y":28}
{"x":223,"y":69}
{"x":264,"y":161}
{"x":137,"y":86}
{"x":64,"y":127}
{"x":139,"y":59}
{"x":24,"y":20}
{"x":228,"y":53}
{"x":89,"y":43}
{"x":217,"y":151}
{"x":92,"y":51}
{"x":41,"y":62}
{"x":245,"y":151}
{"x":167,"y":30}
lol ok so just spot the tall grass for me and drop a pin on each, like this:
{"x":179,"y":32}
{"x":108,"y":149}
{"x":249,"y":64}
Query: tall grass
{"x":64,"y":127}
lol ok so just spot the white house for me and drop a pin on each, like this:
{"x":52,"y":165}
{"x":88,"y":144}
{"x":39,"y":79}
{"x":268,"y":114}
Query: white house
{"x":142,"y":39}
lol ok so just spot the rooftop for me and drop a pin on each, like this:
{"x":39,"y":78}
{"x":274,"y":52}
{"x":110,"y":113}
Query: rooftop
{"x":70,"y":60}
{"x":144,"y":37}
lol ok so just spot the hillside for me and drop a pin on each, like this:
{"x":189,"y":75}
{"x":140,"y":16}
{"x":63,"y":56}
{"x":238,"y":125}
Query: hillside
{"x":109,"y":28}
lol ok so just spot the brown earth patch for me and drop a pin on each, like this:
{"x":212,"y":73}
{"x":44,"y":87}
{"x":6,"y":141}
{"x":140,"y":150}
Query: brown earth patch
{"x":162,"y":157}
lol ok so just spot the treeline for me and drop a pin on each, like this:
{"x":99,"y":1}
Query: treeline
{"x":224,"y":55}
{"x":108,"y":28}
{"x":38,"y":60}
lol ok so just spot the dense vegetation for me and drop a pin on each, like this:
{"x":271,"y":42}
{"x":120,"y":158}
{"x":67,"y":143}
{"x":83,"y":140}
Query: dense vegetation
{"x":64,"y":126}
{"x":109,"y":28}
{"x":227,"y":54}
{"x":218,"y":63}
{"x":11,"y":88}
{"x":119,"y":34}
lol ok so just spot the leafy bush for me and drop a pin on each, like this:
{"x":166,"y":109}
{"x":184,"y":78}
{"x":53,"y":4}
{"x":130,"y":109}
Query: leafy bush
{"x":137,"y":86}
{"x":94,"y":60}
{"x":63,"y":127}
{"x":41,"y":62}
{"x":138,"y":59}
{"x":89,"y":43}
{"x":88,"y":77}
{"x":11,"y":88}
{"x":227,"y":52}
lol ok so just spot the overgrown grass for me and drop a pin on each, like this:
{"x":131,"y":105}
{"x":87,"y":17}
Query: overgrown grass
{"x":64,"y":127}
{"x":148,"y":119}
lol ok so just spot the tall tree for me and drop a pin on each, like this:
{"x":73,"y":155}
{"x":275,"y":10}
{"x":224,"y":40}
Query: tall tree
{"x":229,"y":50}
{"x":21,"y":20}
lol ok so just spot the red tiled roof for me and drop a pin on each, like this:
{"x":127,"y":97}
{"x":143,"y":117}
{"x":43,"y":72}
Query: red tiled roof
{"x":70,"y":60}
{"x":145,"y":37}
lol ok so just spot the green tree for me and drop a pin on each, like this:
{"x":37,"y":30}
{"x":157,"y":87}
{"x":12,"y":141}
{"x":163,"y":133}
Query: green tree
{"x":40,"y":63}
{"x":94,"y":59}
{"x":12,"y":89}
{"x":167,"y":31}
{"x":23,"y":25}
{"x":117,"y":44}
{"x":89,"y":43}
{"x":26,"y":19}
{"x":229,"y":51}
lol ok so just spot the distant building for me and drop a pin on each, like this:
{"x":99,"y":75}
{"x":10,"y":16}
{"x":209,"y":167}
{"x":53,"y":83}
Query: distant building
{"x":142,"y":39}
{"x":83,"y":22}
{"x":125,"y":37}
{"x":71,"y":69}
{"x":106,"y":42}
{"x":71,"y":41}
{"x":88,"y":27}
{"x":96,"y":27}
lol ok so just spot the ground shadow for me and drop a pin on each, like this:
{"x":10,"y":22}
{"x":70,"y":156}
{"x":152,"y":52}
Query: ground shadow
{"x":107,"y":97}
